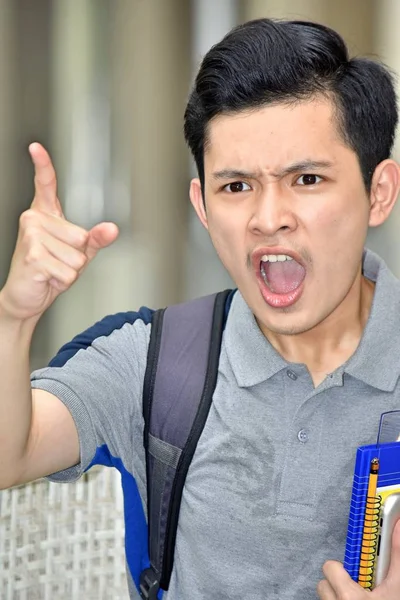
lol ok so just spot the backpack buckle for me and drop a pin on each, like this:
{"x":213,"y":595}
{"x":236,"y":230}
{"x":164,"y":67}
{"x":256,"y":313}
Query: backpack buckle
{"x":149,"y":584}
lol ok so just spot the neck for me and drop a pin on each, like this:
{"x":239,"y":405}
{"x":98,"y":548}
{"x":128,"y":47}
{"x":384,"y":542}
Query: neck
{"x":331,"y":343}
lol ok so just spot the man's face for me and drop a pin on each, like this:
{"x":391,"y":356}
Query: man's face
{"x":287,"y":211}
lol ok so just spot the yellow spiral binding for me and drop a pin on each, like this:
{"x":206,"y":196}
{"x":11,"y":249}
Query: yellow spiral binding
{"x":369,"y":541}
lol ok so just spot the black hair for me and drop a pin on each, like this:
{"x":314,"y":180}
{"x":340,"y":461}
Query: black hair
{"x":268,"y":61}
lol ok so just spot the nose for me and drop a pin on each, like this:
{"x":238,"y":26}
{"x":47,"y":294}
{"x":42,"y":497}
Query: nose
{"x":273,"y":212}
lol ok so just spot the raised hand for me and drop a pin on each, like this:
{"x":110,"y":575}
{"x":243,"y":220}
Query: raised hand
{"x":50,"y":252}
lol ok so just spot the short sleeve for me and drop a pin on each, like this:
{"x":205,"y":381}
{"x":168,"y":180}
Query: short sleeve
{"x":99,"y":377}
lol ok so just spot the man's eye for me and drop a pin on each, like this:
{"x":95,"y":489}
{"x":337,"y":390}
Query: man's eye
{"x":308,"y":179}
{"x":237,"y":186}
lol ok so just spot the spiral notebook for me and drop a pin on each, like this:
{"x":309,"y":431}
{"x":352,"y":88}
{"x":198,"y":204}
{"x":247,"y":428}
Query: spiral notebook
{"x":376,"y":478}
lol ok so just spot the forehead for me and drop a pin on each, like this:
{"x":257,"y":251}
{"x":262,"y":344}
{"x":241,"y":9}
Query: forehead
{"x":275,"y":134}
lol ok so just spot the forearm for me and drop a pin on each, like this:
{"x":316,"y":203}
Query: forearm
{"x":49,"y":256}
{"x":15,"y":394}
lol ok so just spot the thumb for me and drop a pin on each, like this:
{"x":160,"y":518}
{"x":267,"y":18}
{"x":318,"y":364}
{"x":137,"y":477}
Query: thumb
{"x":101,"y":236}
{"x":393,"y":576}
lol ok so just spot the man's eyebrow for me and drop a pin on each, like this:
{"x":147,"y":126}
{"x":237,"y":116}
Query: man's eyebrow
{"x":304,"y":165}
{"x":301,"y":166}
{"x":234,"y":174}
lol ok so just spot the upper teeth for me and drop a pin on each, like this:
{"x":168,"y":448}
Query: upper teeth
{"x":275,"y":257}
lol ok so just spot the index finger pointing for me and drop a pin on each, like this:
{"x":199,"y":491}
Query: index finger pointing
{"x":45,"y":181}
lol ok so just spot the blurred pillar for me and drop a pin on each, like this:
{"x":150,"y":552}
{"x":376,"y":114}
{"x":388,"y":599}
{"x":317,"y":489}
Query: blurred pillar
{"x":81,"y":107}
{"x":150,"y":81}
{"x":80,"y":145}
{"x":290,"y":9}
{"x":9,"y":205}
{"x":204,"y":272}
{"x":387,"y":42}
{"x":386,"y":240}
{"x":120,"y":73}
{"x":353,"y":20}
{"x":32,"y":105}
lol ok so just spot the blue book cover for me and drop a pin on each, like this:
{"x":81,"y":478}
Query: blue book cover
{"x":388,"y":483}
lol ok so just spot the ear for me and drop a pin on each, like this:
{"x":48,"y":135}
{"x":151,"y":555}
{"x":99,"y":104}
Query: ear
{"x":385,"y":187}
{"x":196,"y":198}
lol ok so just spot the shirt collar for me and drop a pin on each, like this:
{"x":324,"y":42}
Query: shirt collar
{"x":253,"y":359}
{"x":376,"y":361}
{"x":377,"y":358}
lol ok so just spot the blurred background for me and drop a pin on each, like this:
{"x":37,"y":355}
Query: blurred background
{"x":103,"y":85}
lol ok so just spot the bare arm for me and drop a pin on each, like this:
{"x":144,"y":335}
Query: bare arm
{"x":36,"y":429}
{"x":37,"y":433}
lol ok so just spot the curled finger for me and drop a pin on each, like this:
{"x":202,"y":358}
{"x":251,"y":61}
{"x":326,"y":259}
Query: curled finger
{"x":325,"y":591}
{"x":74,"y":258}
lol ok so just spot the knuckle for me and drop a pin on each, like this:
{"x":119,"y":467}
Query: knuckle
{"x":49,"y":181}
{"x":82,"y":260}
{"x":31,"y":235}
{"x":34,"y":254}
{"x":78,"y":237}
{"x":82,"y":238}
{"x":70,"y":277}
{"x":30,"y":229}
{"x":27,"y":218}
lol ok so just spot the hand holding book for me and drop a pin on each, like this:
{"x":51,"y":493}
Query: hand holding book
{"x":338,"y":584}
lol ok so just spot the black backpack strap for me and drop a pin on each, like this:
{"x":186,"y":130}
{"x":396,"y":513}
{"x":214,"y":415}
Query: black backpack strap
{"x":179,"y":383}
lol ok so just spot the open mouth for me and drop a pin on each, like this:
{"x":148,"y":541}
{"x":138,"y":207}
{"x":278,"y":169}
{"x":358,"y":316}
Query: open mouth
{"x":281,"y":278}
{"x":281,"y":273}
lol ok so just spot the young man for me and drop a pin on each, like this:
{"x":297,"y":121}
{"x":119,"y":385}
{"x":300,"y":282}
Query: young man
{"x":292,"y":141}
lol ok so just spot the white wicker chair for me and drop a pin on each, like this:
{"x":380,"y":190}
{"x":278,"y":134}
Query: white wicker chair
{"x":63,"y":541}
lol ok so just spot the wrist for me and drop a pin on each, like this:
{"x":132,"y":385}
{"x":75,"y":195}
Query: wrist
{"x":13,"y":321}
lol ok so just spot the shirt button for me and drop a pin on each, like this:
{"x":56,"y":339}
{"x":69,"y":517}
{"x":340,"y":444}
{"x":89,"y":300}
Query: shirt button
{"x":291,"y":374}
{"x":302,"y":436}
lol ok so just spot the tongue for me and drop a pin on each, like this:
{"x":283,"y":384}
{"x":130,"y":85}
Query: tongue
{"x":283,"y":277}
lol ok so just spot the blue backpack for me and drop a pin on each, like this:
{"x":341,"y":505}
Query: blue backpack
{"x":180,"y":378}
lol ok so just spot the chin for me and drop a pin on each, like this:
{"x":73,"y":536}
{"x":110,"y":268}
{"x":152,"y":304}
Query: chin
{"x":278,"y":328}
{"x":285,"y":321}
{"x":294,"y":329}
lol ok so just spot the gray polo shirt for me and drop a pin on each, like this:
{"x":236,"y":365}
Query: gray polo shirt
{"x":267,"y":495}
